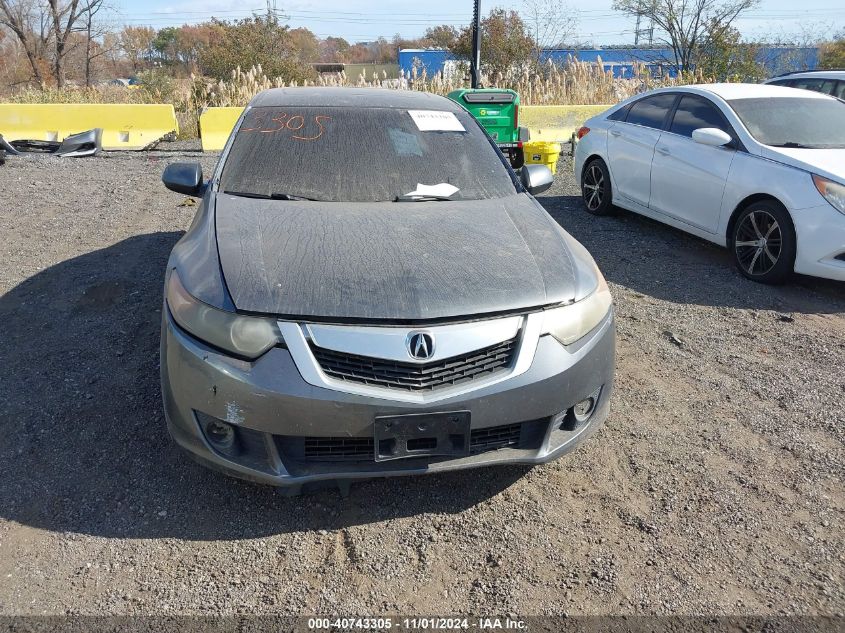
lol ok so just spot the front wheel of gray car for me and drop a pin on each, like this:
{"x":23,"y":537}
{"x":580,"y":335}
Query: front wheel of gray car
{"x":595,"y":188}
{"x":763,"y":242}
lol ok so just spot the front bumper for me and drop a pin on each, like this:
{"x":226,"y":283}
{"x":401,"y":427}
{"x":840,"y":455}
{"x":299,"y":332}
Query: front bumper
{"x":820,"y":233}
{"x":276,"y":413}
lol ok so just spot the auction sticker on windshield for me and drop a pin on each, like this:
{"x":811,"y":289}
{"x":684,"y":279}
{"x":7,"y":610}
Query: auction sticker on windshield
{"x":436,"y":121}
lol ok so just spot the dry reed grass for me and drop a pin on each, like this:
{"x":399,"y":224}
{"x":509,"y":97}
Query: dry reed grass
{"x":573,"y":83}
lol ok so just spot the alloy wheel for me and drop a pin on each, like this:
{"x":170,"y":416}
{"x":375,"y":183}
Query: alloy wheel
{"x":759,"y":242}
{"x":593,"y":187}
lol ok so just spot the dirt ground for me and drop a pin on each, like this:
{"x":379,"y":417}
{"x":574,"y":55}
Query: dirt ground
{"x":716,"y":486}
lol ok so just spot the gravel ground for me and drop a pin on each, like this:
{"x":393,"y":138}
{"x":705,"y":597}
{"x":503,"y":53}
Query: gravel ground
{"x":714,"y":488}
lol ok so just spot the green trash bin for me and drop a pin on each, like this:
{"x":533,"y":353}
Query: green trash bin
{"x":497,"y":109}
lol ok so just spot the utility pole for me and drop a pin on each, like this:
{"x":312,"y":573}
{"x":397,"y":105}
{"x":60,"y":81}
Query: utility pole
{"x":638,"y":32}
{"x":475,"y":63}
{"x":637,"y":29}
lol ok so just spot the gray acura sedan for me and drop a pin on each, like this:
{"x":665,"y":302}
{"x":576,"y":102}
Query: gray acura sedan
{"x":369,"y":290}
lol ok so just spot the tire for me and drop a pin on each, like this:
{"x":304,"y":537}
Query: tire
{"x":763,"y":242}
{"x":595,"y":188}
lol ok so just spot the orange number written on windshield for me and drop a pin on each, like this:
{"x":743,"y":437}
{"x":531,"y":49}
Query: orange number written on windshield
{"x":296,"y":125}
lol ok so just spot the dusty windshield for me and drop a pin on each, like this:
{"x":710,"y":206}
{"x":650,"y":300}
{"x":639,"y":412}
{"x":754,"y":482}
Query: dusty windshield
{"x":344,"y":154}
{"x":794,"y":122}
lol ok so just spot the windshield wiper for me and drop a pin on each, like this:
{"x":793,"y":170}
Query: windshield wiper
{"x":268,"y":196}
{"x":793,"y":144}
{"x":421,"y":198}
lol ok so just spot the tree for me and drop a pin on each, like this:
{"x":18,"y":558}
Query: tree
{"x":385,"y":52}
{"x":359,"y":53}
{"x":304,"y":45}
{"x":113,"y":53}
{"x":724,"y":57}
{"x":44,"y":29}
{"x":137,"y":43}
{"x":192,"y":41}
{"x":257,"y":41}
{"x":166,"y":44}
{"x":27,"y":21}
{"x":687,"y":24}
{"x":63,"y":15}
{"x":334,"y":49}
{"x":95,"y":33}
{"x":505,"y":42}
{"x":832,"y":53}
{"x":442,"y":36}
{"x":550,"y":23}
{"x":14,"y":68}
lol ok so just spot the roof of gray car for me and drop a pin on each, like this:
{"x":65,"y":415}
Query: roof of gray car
{"x":354,"y":97}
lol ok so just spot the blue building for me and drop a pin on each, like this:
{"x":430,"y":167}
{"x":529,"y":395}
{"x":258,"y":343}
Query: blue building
{"x":620,"y":61}
{"x":433,"y":60}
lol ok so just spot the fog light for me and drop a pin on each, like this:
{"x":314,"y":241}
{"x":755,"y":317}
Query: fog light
{"x":583,"y":409}
{"x":579,"y":414}
{"x":220,"y":433}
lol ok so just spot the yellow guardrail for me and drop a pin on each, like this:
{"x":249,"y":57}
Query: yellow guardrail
{"x":134,"y":127}
{"x":551,"y":123}
{"x":556,"y":123}
{"x":215,"y":126}
{"x":125,"y":126}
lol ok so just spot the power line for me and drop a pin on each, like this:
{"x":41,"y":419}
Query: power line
{"x":434,"y":20}
{"x":447,"y":16}
{"x":416,"y":21}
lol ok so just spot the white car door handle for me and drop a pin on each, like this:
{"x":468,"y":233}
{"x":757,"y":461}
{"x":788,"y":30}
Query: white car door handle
{"x":615,"y":133}
{"x":663,"y":150}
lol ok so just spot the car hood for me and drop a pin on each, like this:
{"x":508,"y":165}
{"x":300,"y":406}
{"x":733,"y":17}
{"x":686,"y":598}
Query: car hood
{"x":829,"y":163}
{"x":393,"y":260}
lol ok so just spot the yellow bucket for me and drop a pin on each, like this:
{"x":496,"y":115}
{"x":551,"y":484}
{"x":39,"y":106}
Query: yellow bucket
{"x":542,"y":153}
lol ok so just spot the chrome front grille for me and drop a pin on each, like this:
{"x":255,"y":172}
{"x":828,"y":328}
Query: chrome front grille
{"x":415,"y":377}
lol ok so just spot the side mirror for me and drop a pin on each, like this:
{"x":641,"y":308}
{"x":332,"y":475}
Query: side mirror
{"x":183,"y":178}
{"x":536,"y":178}
{"x":712,"y":136}
{"x":523,"y":134}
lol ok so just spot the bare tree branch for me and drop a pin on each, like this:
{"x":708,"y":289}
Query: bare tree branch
{"x":686,"y":25}
{"x":21,"y":17}
{"x":550,"y":23}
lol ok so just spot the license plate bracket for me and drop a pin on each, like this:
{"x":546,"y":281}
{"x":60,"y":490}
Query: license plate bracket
{"x":422,"y":435}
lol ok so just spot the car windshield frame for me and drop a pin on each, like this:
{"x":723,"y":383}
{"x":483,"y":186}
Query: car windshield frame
{"x":783,"y":122}
{"x":387,"y":140}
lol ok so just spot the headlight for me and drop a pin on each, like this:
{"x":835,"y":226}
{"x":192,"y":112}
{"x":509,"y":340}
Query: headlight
{"x":570,"y":323}
{"x":240,"y":335}
{"x":833,"y":192}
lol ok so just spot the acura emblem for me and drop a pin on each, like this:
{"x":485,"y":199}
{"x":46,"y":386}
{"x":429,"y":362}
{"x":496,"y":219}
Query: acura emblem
{"x":420,"y":345}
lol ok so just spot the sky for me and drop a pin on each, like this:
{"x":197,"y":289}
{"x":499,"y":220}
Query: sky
{"x":365,"y":20}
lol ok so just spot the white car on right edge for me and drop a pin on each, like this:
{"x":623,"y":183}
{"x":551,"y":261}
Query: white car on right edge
{"x":829,"y":82}
{"x":757,"y":168}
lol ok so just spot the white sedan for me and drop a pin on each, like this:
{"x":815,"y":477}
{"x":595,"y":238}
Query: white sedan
{"x":759,"y":169}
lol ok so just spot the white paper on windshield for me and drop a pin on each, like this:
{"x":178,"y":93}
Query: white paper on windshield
{"x":436,"y":121}
{"x":443,"y":189}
